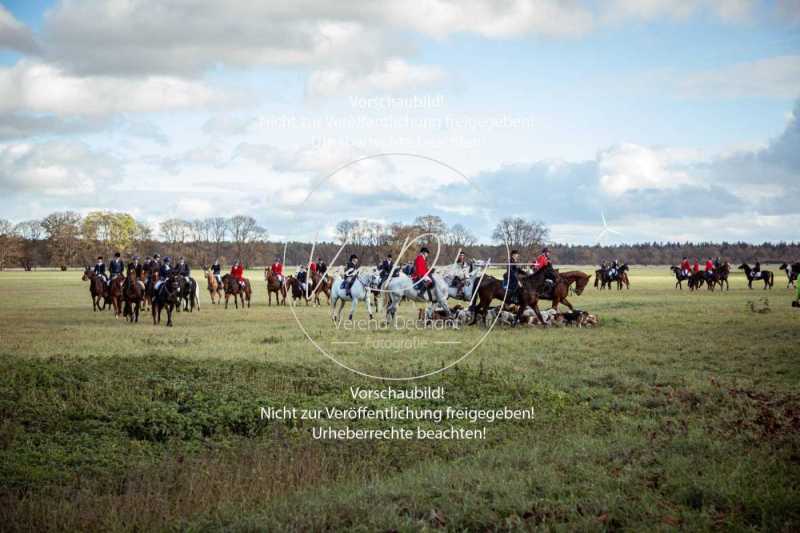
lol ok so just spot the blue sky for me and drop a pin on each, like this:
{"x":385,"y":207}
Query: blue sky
{"x":673,"y":118}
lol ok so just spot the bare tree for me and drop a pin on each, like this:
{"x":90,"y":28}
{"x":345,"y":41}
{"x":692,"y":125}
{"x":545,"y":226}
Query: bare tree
{"x":29,"y":232}
{"x":431,"y":224}
{"x":218,"y":229}
{"x":519,"y":233}
{"x":245,"y":231}
{"x":460,"y":236}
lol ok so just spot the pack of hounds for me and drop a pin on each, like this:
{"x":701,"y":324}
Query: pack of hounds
{"x":508,"y":315}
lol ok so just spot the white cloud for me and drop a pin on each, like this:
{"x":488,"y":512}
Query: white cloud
{"x":728,"y":10}
{"x":42,"y":88}
{"x":15,"y":35}
{"x":629,"y":167}
{"x":55,"y":168}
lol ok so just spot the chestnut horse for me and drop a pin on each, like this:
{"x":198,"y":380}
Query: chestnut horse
{"x":561,"y":290}
{"x":97,"y":289}
{"x":274,"y":285}
{"x":115,"y":295}
{"x":214,"y":287}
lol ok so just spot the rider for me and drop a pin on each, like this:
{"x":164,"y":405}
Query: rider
{"x":421,"y":275}
{"x":686,"y":268}
{"x":163,"y":272}
{"x":277,"y":269}
{"x":134,"y":266}
{"x":100,"y":268}
{"x":613,"y":270}
{"x":183,"y":268}
{"x":709,"y":268}
{"x":717,"y":263}
{"x":386,"y":266}
{"x":302,"y":277}
{"x":216,"y":270}
{"x":510,"y":281}
{"x":237,"y":272}
{"x":350,"y":272}
{"x":322,"y":266}
{"x":115,"y":267}
{"x":696,"y":266}
{"x":312,"y":267}
{"x":756,"y":272}
{"x":542,"y":262}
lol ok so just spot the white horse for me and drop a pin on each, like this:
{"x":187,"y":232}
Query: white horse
{"x":469,"y":281}
{"x":360,"y":290}
{"x":401,"y":287}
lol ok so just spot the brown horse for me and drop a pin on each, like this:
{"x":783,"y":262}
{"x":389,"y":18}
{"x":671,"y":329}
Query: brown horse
{"x":274,"y":285}
{"x":561,"y":290}
{"x":133,"y":296}
{"x":214,"y":287}
{"x":240,"y":291}
{"x":296,"y":290}
{"x":530,"y":287}
{"x":149,"y":285}
{"x":718,"y":277}
{"x":115,"y":294}
{"x":320,"y":283}
{"x":97,"y":289}
{"x":490,"y":288}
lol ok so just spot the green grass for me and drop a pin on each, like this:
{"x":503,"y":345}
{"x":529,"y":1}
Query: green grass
{"x":680,"y":411}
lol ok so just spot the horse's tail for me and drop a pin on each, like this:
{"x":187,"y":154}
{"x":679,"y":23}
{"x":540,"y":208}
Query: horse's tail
{"x":771,"y":279}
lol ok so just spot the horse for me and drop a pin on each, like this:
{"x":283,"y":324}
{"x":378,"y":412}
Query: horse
{"x":97,"y":289}
{"x":214,"y":286}
{"x":320,"y":283}
{"x":460,"y":288}
{"x":718,"y":277}
{"x":792,"y":272}
{"x":240,"y":291}
{"x":132,"y":295}
{"x":115,"y":294}
{"x":401,"y":286}
{"x":360,"y":290}
{"x":168,"y":295}
{"x":766,"y":275}
{"x":696,"y":280}
{"x":603,"y":275}
{"x":190,"y":294}
{"x":149,"y":287}
{"x":530,"y":288}
{"x":274,"y":285}
{"x":561,"y":290}
{"x":679,"y":276}
{"x":296,"y":290}
{"x":488,"y":289}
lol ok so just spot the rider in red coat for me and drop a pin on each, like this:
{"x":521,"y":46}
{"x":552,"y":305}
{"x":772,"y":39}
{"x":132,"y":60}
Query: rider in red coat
{"x":277,"y":269}
{"x":422,"y":280}
{"x":237,"y":271}
{"x":685,"y":267}
{"x":696,"y":266}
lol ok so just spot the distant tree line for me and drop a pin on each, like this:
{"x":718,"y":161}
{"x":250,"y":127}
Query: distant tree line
{"x":67,"y":239}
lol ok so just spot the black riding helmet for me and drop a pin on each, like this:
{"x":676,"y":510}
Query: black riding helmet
{"x":424,"y":250}
{"x":353,"y":257}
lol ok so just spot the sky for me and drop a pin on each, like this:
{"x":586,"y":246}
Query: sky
{"x":676,"y":120}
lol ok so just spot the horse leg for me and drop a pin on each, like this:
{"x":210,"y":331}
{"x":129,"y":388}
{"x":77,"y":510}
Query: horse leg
{"x":226,"y":299}
{"x":170,"y":308}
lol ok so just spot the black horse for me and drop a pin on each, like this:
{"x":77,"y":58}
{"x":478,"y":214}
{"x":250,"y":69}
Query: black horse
{"x":680,"y":277}
{"x":766,"y":275}
{"x":791,"y":272}
{"x":167,"y":296}
{"x":189,"y":298}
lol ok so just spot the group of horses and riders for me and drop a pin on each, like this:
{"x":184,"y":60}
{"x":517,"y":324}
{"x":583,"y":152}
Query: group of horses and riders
{"x":232,"y":283}
{"x":306,"y":284}
{"x":613,"y":272}
{"x":523,"y":285}
{"x":714,"y":274}
{"x":155,"y":283}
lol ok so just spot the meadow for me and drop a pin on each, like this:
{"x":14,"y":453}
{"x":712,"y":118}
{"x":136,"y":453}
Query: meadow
{"x":681,"y":410}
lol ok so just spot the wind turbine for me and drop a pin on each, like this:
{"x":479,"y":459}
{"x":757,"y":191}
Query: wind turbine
{"x":606,"y":230}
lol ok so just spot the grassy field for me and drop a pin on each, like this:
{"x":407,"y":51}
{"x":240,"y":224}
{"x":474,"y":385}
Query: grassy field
{"x":680,"y":411}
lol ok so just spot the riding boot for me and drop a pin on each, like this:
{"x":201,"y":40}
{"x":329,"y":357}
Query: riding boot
{"x":430,"y":294}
